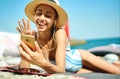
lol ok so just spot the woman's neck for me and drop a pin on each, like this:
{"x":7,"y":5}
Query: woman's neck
{"x":44,"y":37}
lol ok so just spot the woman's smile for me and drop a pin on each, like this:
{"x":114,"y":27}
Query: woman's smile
{"x":41,"y":25}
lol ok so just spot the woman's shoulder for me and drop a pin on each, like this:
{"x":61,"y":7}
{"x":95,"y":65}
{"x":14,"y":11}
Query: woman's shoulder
{"x":60,"y":31}
{"x":61,"y":36}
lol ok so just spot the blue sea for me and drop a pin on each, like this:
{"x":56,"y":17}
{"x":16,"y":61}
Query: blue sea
{"x":97,"y":42}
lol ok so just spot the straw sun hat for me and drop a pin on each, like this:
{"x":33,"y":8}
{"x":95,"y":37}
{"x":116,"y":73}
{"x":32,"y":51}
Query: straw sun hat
{"x":62,"y":15}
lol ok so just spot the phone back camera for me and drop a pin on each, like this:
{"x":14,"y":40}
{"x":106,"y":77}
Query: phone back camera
{"x":27,"y":40}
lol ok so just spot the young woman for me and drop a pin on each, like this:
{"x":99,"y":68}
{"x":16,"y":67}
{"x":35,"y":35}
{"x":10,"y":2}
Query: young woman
{"x":52,"y":43}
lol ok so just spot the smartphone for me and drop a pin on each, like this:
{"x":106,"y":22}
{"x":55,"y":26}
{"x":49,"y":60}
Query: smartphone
{"x":29,"y":41}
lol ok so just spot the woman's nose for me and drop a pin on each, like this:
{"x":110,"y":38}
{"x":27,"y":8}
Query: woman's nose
{"x":42,"y":17}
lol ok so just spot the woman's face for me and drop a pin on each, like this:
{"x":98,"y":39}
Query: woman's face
{"x":44,"y":17}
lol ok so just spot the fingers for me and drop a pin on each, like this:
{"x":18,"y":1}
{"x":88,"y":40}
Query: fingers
{"x":26,"y":53}
{"x":24,"y":23}
{"x":23,"y":54}
{"x":25,"y":47}
{"x":20,"y":25}
{"x":22,"y":29}
{"x":28,"y":24}
{"x":30,"y":56}
{"x":25,"y":27}
{"x":17,"y":28}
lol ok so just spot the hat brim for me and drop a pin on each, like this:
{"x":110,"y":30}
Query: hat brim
{"x":62,"y":15}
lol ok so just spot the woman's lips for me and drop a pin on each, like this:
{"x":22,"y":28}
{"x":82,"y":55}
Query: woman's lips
{"x":41,"y":25}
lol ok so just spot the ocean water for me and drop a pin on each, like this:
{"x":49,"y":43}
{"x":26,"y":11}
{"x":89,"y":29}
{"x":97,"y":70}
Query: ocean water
{"x":97,"y":42}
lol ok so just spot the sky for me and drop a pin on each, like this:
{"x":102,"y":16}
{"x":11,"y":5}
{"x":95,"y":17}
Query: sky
{"x":88,"y":19}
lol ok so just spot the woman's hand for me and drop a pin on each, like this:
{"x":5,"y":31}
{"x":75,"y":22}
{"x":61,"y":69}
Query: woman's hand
{"x":27,"y":54}
{"x":25,"y":28}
